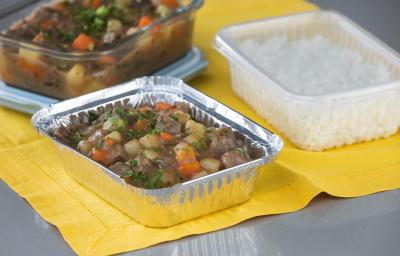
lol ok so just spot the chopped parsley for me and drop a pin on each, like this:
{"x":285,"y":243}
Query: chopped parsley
{"x":201,"y":144}
{"x":132,"y":163}
{"x":154,"y":181}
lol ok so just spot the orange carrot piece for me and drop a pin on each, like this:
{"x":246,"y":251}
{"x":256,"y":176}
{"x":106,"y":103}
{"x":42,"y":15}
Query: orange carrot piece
{"x":98,"y":156}
{"x":165,"y":136}
{"x":34,"y":69}
{"x":59,"y":6}
{"x":83,"y":42}
{"x":141,"y":125}
{"x":145,"y":21}
{"x":109,"y":141}
{"x":107,"y":60}
{"x":161,"y":105}
{"x":189,"y":170}
{"x":39,"y":38}
{"x":144,"y":109}
{"x":188,"y":165}
{"x":173,"y":4}
{"x":94,"y":4}
{"x":46,"y":24}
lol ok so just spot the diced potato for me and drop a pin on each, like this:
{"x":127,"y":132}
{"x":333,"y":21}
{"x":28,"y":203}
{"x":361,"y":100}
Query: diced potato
{"x":194,"y":127}
{"x":115,"y":136}
{"x":131,"y":30}
{"x":114,"y":26}
{"x":151,"y":154}
{"x":150,"y":141}
{"x":163,"y":10}
{"x":193,"y":138}
{"x":76,"y":75}
{"x":200,"y":174}
{"x":29,"y":55}
{"x":108,"y":125}
{"x":93,"y":86}
{"x":133,"y":147}
{"x":84,"y":146}
{"x":123,"y":3}
{"x":210,"y":164}
{"x":182,"y":117}
{"x":181,"y":145}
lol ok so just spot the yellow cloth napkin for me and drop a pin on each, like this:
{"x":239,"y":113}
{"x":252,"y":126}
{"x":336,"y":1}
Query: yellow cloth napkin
{"x":29,"y":164}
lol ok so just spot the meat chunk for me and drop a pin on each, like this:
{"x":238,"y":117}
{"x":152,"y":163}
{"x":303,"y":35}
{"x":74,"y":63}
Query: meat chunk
{"x":144,"y":164}
{"x":233,"y":158}
{"x":166,"y":124}
{"x":182,"y":107}
{"x":119,"y":168}
{"x":170,"y":177}
{"x":223,"y":141}
{"x":96,"y":136}
{"x":113,"y":153}
{"x":167,"y":163}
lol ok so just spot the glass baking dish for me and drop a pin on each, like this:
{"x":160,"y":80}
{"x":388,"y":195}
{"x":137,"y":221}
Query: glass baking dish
{"x":323,"y":121}
{"x":53,"y":73}
{"x":183,"y":201}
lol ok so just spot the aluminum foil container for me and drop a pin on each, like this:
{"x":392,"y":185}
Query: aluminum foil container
{"x":167,"y":206}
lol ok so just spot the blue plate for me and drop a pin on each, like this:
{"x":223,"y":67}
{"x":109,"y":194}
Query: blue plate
{"x":185,"y":68}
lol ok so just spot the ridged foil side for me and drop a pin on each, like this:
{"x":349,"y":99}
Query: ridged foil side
{"x":167,"y":206}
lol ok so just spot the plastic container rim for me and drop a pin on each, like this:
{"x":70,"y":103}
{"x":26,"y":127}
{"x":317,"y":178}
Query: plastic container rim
{"x":224,"y":45}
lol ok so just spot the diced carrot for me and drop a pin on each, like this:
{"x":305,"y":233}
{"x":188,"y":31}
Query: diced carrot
{"x":165,"y":136}
{"x":98,"y":155}
{"x":141,"y":125}
{"x":188,"y":170}
{"x":83,"y":42}
{"x":31,"y":68}
{"x":106,"y":60}
{"x":39,"y":38}
{"x":145,"y":21}
{"x":144,"y":109}
{"x":5,"y":75}
{"x":46,"y":24}
{"x":185,"y":155}
{"x":109,"y":141}
{"x":187,"y":162}
{"x":173,"y":4}
{"x":58,"y":6}
{"x":94,"y":4}
{"x":161,"y":105}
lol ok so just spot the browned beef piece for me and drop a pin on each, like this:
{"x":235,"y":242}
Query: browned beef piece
{"x":166,"y":124}
{"x":170,"y":177}
{"x":96,"y":136}
{"x":182,"y":107}
{"x":224,"y":141}
{"x":113,"y":153}
{"x":145,"y":165}
{"x":167,"y":163}
{"x":233,"y":158}
{"x":119,"y":168}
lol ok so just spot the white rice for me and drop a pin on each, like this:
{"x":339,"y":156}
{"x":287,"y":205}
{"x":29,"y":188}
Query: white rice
{"x":314,"y":66}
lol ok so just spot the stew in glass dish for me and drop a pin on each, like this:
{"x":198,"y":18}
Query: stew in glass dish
{"x":68,"y":48}
{"x":154,"y":146}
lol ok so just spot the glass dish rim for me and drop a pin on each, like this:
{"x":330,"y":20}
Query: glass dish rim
{"x":193,"y":5}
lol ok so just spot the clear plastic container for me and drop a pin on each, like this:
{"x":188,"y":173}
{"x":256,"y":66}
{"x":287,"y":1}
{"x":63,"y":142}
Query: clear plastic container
{"x":316,"y":122}
{"x":46,"y":71}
